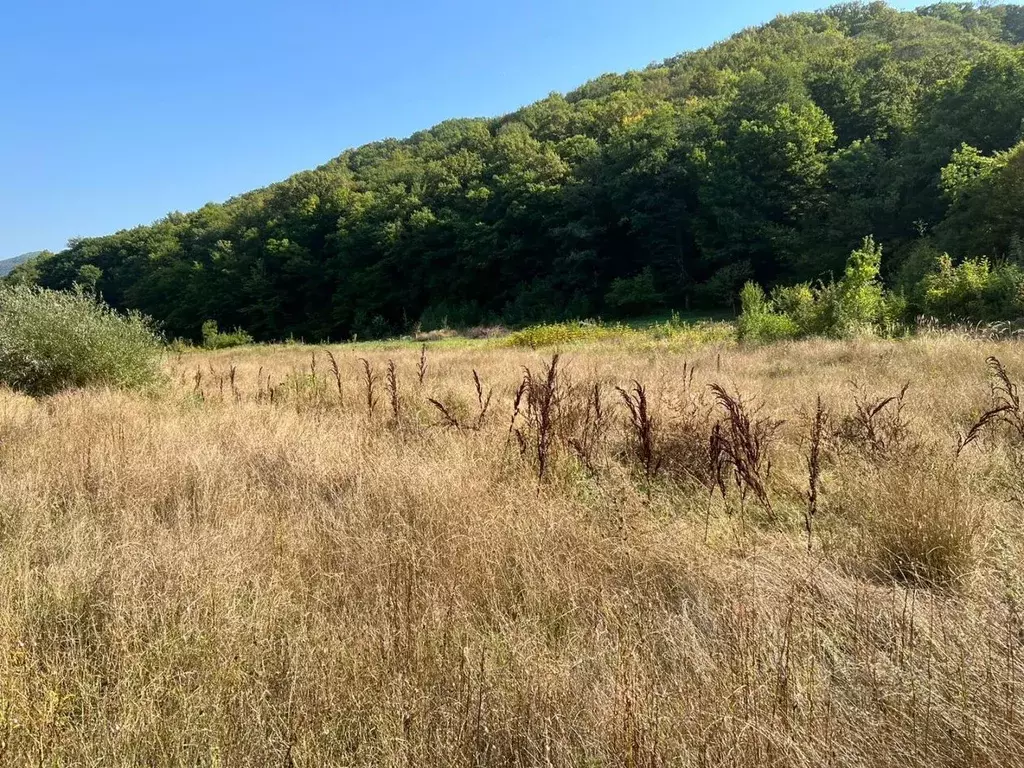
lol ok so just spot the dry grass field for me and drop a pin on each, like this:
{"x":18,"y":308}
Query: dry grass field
{"x":255,"y":567}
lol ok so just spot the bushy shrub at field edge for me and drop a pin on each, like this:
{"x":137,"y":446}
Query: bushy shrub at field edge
{"x":854,"y":306}
{"x":54,"y":340}
{"x":214,"y":338}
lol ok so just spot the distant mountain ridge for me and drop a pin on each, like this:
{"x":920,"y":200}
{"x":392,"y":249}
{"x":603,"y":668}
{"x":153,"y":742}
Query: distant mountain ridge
{"x":6,"y":265}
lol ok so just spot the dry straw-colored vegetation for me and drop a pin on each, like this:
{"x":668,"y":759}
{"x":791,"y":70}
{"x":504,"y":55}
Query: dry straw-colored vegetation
{"x":494,"y":557}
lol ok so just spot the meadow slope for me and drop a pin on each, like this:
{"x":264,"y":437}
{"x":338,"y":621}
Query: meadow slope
{"x":248,"y":568}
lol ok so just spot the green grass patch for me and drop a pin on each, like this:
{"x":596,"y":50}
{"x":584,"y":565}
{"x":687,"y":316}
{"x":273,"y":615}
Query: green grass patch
{"x":673,"y":331}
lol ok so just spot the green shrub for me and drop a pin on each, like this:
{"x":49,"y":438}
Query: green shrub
{"x":974,"y":290}
{"x":854,"y":306}
{"x":753,"y":300}
{"x":857,"y":300}
{"x":214,"y":339}
{"x":920,"y":260}
{"x":51,"y":340}
{"x":892,"y":320}
{"x":555,"y":334}
{"x":800,"y":303}
{"x":768,"y":327}
{"x":759,"y":322}
{"x":684,"y":332}
{"x":634,"y":295}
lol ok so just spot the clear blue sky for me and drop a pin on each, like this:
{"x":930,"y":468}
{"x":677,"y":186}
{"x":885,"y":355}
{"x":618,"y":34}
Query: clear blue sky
{"x":120,"y":111}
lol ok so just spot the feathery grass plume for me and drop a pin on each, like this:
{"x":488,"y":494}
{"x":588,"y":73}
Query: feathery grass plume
{"x":197,"y":388}
{"x":527,"y":385}
{"x":451,"y":420}
{"x":336,"y":372}
{"x":391,"y":382}
{"x":1005,"y":409}
{"x":543,"y":402}
{"x":232,"y":376}
{"x":592,"y":431}
{"x":1005,"y":390}
{"x":517,"y":402}
{"x":742,"y":442}
{"x":877,"y":425}
{"x":642,"y":428}
{"x":259,"y":385}
{"x":689,"y":371}
{"x":421,"y":371}
{"x":370,"y":383}
{"x":818,"y":427}
{"x":311,"y":388}
{"x":991,"y":416}
{"x":448,"y":417}
{"x":684,"y":435}
{"x":219,"y":377}
{"x":482,"y":403}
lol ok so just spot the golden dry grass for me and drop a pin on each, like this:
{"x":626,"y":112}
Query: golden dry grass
{"x":204,"y":577}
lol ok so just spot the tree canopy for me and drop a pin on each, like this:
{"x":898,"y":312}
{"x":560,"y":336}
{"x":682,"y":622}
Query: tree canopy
{"x":769,"y":156}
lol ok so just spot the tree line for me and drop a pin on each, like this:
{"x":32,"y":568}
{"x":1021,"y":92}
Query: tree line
{"x":767,"y":157}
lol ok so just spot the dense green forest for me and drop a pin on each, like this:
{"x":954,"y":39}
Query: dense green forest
{"x":767,"y":157}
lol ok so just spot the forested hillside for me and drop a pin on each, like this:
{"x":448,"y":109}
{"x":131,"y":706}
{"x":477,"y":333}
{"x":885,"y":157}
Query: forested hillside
{"x":768,"y":157}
